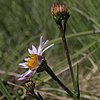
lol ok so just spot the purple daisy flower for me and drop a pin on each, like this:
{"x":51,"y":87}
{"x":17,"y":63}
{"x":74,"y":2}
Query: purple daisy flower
{"x":34,"y":60}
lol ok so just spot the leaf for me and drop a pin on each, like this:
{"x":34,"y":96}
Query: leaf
{"x":5,"y":91}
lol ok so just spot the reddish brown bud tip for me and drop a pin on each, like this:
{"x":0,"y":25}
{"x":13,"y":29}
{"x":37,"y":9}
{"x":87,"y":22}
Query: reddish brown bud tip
{"x":59,"y":10}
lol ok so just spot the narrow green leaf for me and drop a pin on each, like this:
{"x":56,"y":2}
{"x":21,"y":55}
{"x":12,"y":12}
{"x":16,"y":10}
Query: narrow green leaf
{"x":77,"y":82}
{"x":71,"y":36}
{"x":4,"y":91}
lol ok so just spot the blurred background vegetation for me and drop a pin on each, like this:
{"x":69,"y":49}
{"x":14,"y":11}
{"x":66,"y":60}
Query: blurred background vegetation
{"x":21,"y":24}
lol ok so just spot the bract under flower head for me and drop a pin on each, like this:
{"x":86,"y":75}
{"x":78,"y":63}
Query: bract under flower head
{"x":34,"y":60}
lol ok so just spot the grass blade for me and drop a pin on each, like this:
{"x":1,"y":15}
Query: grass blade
{"x":4,"y":91}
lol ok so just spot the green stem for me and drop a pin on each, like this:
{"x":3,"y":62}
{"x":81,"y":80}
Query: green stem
{"x":68,"y":58}
{"x":77,"y":91}
{"x":66,"y":50}
{"x":50,"y":72}
{"x":35,"y":96}
{"x":44,"y":67}
{"x":41,"y":98}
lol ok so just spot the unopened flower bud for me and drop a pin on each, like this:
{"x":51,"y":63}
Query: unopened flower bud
{"x":29,"y":86}
{"x":59,"y":11}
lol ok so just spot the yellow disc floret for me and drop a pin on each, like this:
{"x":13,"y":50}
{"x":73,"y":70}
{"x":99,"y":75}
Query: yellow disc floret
{"x":33,"y":61}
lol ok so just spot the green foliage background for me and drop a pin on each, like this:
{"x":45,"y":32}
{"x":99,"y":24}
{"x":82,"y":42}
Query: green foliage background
{"x":23,"y":21}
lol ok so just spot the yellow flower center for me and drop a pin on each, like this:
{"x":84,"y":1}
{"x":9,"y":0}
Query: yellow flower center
{"x":33,"y":61}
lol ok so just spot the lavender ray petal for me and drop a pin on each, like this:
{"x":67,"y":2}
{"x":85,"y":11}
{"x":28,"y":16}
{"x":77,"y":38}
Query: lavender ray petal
{"x":34,"y":49}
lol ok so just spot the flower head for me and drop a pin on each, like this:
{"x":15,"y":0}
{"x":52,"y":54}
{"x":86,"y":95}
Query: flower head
{"x":59,"y":11}
{"x":34,"y":60}
{"x":30,"y":86}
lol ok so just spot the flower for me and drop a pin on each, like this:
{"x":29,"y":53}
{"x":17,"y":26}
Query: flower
{"x":34,"y":60}
{"x":59,"y":11}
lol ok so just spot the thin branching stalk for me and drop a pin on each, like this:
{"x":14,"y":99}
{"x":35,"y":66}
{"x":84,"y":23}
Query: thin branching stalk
{"x":50,"y":72}
{"x":59,"y":24}
{"x":46,"y":68}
